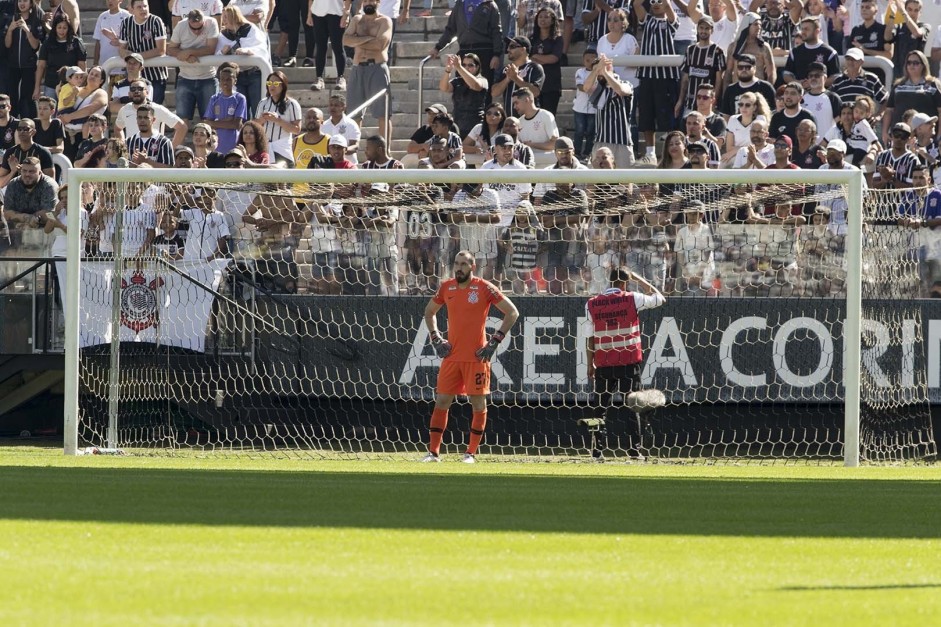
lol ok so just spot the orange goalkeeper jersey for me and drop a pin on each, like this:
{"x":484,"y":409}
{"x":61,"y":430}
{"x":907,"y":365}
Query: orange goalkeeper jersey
{"x":467,"y":315}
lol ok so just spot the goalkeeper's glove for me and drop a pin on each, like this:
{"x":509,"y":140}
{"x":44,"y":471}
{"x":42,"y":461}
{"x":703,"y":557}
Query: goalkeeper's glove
{"x":485,"y":353}
{"x":442,"y":346}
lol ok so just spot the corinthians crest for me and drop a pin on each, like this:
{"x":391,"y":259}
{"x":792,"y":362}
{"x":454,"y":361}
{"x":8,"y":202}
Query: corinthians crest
{"x":139,"y":302}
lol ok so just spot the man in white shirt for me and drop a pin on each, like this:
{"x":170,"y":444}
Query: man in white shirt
{"x":759,"y":154}
{"x":510,"y":194}
{"x":195,"y":83}
{"x":836,"y":153}
{"x":125,"y":125}
{"x":564,"y":160}
{"x":110,"y":19}
{"x":538,"y":128}
{"x":255,"y":11}
{"x":341,"y":124}
{"x":209,"y":8}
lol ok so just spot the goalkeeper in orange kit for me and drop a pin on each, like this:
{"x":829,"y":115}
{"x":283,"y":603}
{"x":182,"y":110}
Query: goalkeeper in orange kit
{"x":466,"y":353}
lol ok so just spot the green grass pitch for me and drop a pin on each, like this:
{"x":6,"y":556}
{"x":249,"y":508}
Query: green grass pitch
{"x":142,"y":540}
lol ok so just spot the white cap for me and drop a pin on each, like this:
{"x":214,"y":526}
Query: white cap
{"x":837,"y":144}
{"x":338,"y":140}
{"x":854,"y":53}
{"x":922,"y":118}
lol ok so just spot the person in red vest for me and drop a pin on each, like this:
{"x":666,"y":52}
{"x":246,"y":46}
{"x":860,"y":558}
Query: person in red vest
{"x":613,"y":349}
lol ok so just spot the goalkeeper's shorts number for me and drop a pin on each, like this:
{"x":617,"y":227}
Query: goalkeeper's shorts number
{"x":464,"y":377}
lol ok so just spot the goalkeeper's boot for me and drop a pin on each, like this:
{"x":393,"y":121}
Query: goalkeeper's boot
{"x":469,"y":459}
{"x":430,"y":457}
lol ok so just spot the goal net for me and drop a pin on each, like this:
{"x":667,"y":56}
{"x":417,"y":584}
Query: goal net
{"x":281,"y":312}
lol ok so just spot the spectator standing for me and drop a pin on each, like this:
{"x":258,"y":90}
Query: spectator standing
{"x":812,"y":50}
{"x":125,"y":124}
{"x":715,"y":122}
{"x":904,"y":30}
{"x":49,"y":131}
{"x":22,"y":39}
{"x":858,"y":136}
{"x":24,"y":148}
{"x":27,"y":199}
{"x":92,"y":99}
{"x":704,"y":63}
{"x":121,"y":91}
{"x":211,"y":9}
{"x":339,"y":123}
{"x":478,"y":28}
{"x":146,"y":35}
{"x":894,"y":165}
{"x":195,"y":83}
{"x":823,"y":104}
{"x":779,"y":26}
{"x":751,"y":108}
{"x":747,"y":82}
{"x":868,"y":37}
{"x":521,"y":152}
{"x":612,"y":98}
{"x":7,"y":123}
{"x":255,"y":11}
{"x":281,"y":116}
{"x":328,"y":18}
{"x":527,"y":12}
{"x":838,"y":207}
{"x":227,"y":109}
{"x":584,"y":110}
{"x":725,"y":18}
{"x":61,"y":48}
{"x":469,"y":90}
{"x":917,"y":89}
{"x":751,"y":42}
{"x":370,"y":34}
{"x":595,"y":16}
{"x":547,"y":52}
{"x":148,"y":147}
{"x":855,"y":81}
{"x":520,"y":72}
{"x":657,"y":91}
{"x":239,"y":37}
{"x":110,"y":20}
{"x":292,"y":14}
{"x":538,"y":128}
{"x":617,"y":42}
{"x":785,"y":121}
{"x":926,"y":144}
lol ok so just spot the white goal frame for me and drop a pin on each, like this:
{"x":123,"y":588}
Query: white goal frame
{"x":852,"y":179}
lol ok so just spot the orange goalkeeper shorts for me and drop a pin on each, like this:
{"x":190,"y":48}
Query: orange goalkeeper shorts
{"x":464,"y":377}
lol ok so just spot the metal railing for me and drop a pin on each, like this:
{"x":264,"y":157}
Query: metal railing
{"x":674,"y":60}
{"x":34,"y":285}
{"x":252,"y":60}
{"x":384,"y":92}
{"x":421,"y":81}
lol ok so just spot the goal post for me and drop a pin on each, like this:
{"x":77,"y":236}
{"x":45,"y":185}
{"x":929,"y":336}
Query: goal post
{"x":255,"y":304}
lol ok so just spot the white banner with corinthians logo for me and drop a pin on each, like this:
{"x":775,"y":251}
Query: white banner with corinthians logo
{"x":158,"y":305}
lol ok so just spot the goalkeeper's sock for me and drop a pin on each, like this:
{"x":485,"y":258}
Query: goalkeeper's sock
{"x":478,"y":424}
{"x":439,"y":422}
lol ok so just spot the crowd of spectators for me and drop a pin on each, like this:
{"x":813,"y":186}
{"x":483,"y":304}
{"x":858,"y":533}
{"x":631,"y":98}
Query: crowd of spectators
{"x":726,"y":106}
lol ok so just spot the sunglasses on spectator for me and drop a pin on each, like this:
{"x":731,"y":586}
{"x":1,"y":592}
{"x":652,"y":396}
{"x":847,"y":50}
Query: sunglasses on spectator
{"x":136,"y":89}
{"x":746,"y":105}
{"x":781,"y":145}
{"x":653,"y":2}
{"x":901,"y":134}
{"x":511,"y":46}
{"x":913,"y":62}
{"x":273,"y":83}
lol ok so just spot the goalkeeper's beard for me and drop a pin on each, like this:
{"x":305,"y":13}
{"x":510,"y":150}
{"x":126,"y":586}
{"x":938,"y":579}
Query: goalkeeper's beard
{"x":462,"y":277}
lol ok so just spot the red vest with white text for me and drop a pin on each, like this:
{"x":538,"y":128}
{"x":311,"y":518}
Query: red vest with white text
{"x":616,"y":329}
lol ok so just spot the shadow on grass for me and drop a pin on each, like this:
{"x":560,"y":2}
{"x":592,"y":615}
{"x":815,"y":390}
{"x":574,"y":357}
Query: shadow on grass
{"x":631,"y":505}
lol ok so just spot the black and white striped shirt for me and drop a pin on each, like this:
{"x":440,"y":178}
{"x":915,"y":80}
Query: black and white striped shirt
{"x":703,"y":65}
{"x":658,"y":41}
{"x":612,"y":119}
{"x":525,"y":243}
{"x":866,"y":84}
{"x":599,"y":28}
{"x":143,"y":38}
{"x":778,"y":31}
{"x":157,"y":147}
{"x":901,"y":165}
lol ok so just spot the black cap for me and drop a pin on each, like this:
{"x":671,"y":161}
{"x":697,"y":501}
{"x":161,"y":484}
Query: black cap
{"x":747,"y":58}
{"x":522,"y":41}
